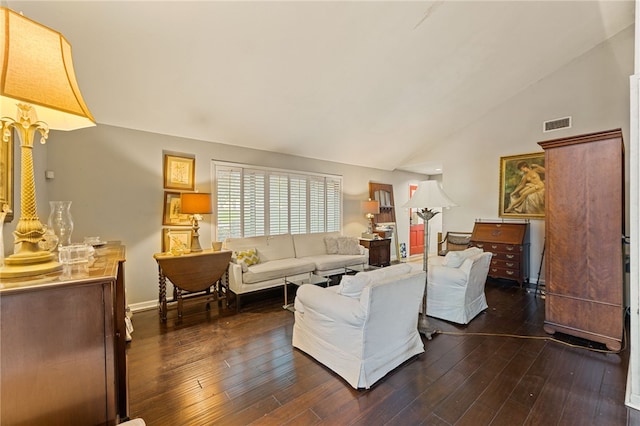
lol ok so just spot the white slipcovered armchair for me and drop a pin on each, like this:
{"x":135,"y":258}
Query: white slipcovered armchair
{"x":455,"y":291}
{"x":364,"y":327}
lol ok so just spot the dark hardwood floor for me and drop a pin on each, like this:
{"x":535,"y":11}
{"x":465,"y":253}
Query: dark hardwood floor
{"x":223,"y":368}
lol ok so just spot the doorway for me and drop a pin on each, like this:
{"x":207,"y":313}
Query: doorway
{"x":416,"y":229}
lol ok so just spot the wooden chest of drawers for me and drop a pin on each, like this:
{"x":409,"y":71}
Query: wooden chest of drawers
{"x":507,"y":243}
{"x":379,"y":251}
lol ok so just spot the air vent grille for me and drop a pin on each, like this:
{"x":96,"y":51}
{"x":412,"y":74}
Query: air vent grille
{"x":557,"y":124}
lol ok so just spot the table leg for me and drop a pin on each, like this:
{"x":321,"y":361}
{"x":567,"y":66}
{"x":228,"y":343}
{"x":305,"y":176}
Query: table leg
{"x":286,"y":303}
{"x":178,"y":294}
{"x":162,"y":295}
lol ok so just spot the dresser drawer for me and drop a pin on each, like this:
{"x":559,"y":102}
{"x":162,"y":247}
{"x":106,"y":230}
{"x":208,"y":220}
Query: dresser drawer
{"x":505,"y":264}
{"x":498,"y":247}
{"x":497,"y":272}
{"x":510,"y":257}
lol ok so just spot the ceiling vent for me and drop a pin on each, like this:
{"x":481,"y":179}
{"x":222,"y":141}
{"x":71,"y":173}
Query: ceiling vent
{"x":557,"y":124}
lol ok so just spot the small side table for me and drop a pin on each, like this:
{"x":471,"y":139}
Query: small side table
{"x":192,"y":273}
{"x":379,"y":251}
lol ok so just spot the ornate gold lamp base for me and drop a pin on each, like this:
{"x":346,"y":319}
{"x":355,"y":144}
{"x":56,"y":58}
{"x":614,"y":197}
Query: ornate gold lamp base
{"x":29,"y":263}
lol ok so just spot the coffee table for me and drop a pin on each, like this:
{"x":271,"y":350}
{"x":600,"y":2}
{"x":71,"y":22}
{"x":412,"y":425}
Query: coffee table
{"x":311,"y":279}
{"x":363,"y":267}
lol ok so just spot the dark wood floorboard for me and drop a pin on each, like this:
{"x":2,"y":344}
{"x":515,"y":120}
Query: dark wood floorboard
{"x":226,"y":368}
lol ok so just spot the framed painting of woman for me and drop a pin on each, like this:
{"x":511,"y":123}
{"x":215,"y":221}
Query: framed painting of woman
{"x":522,"y":186}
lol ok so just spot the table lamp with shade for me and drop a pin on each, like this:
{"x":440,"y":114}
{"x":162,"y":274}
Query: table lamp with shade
{"x":40,"y":84}
{"x":195,"y":204}
{"x":370,"y":208}
{"x":428,"y":196}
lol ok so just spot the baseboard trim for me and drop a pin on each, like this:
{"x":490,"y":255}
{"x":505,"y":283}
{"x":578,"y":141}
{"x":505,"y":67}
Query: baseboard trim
{"x":144,"y":306}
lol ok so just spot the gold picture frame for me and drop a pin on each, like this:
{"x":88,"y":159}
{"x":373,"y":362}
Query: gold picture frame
{"x":176,"y":240}
{"x":179,"y":171}
{"x":171,"y":214}
{"x":6,"y":177}
{"x":522,"y":186}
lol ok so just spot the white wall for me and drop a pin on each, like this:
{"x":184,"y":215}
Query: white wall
{"x":593,"y":89}
{"x":114,"y":178}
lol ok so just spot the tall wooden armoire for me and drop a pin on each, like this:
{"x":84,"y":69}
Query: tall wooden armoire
{"x":584,"y":200}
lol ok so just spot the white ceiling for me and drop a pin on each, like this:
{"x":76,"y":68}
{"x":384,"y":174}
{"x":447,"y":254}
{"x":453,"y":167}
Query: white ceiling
{"x":365,"y":83}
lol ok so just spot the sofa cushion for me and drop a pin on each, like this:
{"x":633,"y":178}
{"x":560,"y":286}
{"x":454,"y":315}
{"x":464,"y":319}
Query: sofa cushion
{"x":352,"y":285}
{"x":271,"y":247}
{"x":238,"y":244}
{"x":331,"y":244}
{"x":276,"y":269}
{"x":328,"y":262}
{"x":454,"y":259}
{"x":249,"y":257}
{"x":348,"y":245}
{"x":312,"y":244}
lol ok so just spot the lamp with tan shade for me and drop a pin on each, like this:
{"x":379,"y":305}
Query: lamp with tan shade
{"x":38,"y":82}
{"x":370,"y":209}
{"x":196,"y":204}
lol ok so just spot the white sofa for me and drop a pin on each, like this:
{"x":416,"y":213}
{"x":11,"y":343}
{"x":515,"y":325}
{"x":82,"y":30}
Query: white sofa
{"x":364,"y":327}
{"x":455,"y":291}
{"x":291,"y":256}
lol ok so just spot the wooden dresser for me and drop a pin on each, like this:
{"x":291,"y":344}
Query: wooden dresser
{"x":379,"y":251}
{"x":507,"y":242}
{"x":584,"y":228}
{"x":62,"y":358}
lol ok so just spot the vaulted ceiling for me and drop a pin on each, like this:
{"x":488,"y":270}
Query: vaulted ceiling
{"x":365,"y":83}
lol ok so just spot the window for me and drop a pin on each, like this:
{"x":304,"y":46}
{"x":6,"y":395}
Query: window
{"x":252,"y":201}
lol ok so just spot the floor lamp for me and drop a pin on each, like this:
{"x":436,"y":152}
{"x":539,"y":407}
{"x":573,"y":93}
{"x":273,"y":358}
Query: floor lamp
{"x":429,"y":195}
{"x":37,"y":75}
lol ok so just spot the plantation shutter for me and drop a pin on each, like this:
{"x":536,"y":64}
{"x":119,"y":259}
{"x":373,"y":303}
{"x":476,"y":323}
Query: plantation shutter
{"x":278,"y":204}
{"x":298,"y":204}
{"x":228,"y":204}
{"x":254,"y":203}
{"x":318,"y":203}
{"x":334,"y":204}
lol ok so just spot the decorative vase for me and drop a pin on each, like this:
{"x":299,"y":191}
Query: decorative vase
{"x":60,"y":221}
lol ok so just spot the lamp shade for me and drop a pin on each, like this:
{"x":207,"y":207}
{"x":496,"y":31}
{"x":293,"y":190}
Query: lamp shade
{"x":429,"y":195}
{"x":370,"y":207}
{"x":195,"y":203}
{"x":38,"y":70}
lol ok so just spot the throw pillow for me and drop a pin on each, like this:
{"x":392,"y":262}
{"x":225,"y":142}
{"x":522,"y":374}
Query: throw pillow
{"x":332,"y":245}
{"x":249,"y":257}
{"x":348,"y":245}
{"x":352,"y":285}
{"x":454,"y":259}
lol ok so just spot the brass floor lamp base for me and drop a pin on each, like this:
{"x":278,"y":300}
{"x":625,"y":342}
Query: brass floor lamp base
{"x":424,"y":327}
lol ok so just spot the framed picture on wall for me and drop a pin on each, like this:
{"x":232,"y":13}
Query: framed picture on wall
{"x":171,"y":214}
{"x":179,"y":171}
{"x":176,"y":240}
{"x":522,"y":186}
